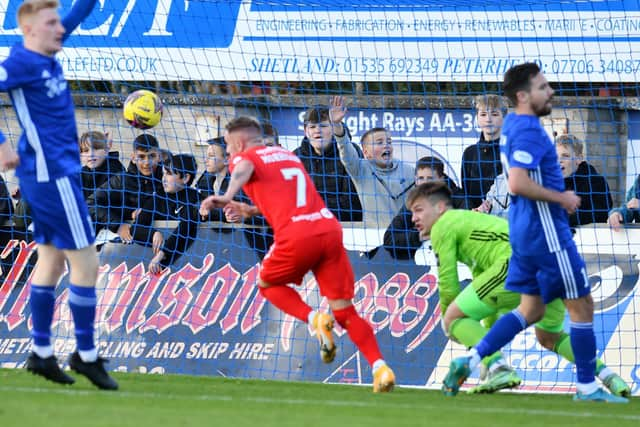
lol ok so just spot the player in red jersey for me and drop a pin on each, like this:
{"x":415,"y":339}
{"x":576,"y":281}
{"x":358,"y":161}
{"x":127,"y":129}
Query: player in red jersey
{"x":306,"y":237}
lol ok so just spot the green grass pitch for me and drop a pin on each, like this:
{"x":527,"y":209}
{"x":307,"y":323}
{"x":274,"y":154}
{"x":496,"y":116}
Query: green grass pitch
{"x":176,"y":400}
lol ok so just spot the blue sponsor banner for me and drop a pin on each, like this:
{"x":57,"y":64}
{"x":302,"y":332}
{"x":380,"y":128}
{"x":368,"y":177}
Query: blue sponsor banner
{"x":346,"y":41}
{"x":449,"y":5}
{"x":401,"y":123}
{"x":144,"y":24}
{"x":205,"y":316}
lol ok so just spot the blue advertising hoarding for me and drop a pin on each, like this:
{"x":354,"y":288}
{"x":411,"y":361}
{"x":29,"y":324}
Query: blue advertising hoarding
{"x":346,"y":41}
{"x":204,"y":316}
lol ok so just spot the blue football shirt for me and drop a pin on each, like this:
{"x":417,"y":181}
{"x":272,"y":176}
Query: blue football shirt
{"x":535,"y":227}
{"x":48,"y":147}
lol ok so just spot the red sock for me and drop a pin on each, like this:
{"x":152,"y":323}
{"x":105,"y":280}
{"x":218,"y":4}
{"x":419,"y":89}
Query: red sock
{"x":287,"y":300}
{"x":360,"y":333}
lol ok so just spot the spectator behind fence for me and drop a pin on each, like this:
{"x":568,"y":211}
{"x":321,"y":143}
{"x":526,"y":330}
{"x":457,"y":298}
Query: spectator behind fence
{"x":98,"y":165}
{"x":122,"y":198}
{"x":585,"y":181}
{"x":215,"y":178}
{"x":179,"y":202}
{"x":402,"y":239}
{"x":319,"y":155}
{"x":214,"y":182}
{"x":498,"y":198}
{"x":481,"y":161}
{"x":382,"y":181}
{"x":629,"y":211}
{"x":270,"y":135}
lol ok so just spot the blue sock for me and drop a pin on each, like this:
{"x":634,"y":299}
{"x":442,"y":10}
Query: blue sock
{"x":42,"y":300}
{"x":82,"y":301}
{"x":583,"y":342}
{"x":501,"y":333}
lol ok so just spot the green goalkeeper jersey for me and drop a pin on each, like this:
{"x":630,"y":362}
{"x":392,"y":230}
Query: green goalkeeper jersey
{"x":476,"y":239}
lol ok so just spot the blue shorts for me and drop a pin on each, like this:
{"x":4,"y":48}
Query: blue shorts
{"x":559,"y":274}
{"x":59,"y":212}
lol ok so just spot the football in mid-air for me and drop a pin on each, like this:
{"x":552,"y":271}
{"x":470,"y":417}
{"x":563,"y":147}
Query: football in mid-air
{"x":142,"y":109}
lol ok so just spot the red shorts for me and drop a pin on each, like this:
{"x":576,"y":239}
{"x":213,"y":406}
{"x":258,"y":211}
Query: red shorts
{"x":290,"y":258}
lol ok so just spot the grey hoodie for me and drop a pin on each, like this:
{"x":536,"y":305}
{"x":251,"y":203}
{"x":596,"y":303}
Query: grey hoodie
{"x":382,"y":191}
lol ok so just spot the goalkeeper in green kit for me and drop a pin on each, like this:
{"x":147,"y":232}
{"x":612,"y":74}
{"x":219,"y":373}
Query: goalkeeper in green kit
{"x":481,"y":242}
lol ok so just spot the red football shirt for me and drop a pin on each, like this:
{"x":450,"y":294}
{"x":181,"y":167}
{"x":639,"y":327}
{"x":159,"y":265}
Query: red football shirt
{"x":283,"y":191}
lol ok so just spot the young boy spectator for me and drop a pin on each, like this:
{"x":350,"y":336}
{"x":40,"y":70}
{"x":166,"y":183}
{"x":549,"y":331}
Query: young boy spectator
{"x":319,"y":155}
{"x":629,"y":211}
{"x":179,"y":202}
{"x":99,"y":164}
{"x":402,"y":239}
{"x":382,"y":181}
{"x":214,"y":182}
{"x":215,"y":178}
{"x":481,"y":161}
{"x":585,"y":181}
{"x":122,"y":198}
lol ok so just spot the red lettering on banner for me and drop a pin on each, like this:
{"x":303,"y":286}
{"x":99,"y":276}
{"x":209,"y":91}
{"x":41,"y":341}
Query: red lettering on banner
{"x":426,"y":331}
{"x":248,"y":287}
{"x":17,"y":268}
{"x":61,"y":312}
{"x":119,"y":293}
{"x":16,"y":314}
{"x":252,"y":316}
{"x":223,"y":280}
{"x":387,"y":300}
{"x":176,"y":294}
{"x":137,"y":315}
{"x":368,"y":283}
{"x":415,"y":305}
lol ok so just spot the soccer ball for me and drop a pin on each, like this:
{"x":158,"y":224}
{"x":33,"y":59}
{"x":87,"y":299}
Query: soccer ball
{"x":142,"y":109}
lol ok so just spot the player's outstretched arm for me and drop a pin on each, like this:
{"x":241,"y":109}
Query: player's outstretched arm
{"x":80,"y":10}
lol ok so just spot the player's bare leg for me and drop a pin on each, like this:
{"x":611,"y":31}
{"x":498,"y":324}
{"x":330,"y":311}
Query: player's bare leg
{"x":83,"y":264}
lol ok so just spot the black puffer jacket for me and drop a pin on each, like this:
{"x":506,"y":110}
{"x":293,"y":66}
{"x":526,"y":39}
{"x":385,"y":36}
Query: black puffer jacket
{"x":93,"y":179}
{"x":331,"y":180}
{"x":113,"y":203}
{"x":480,"y":166}
{"x":401,"y":239}
{"x":183,"y":207}
{"x":595,"y":197}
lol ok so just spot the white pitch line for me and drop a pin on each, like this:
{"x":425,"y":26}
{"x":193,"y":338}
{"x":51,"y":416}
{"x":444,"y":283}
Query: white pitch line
{"x":222,"y":398}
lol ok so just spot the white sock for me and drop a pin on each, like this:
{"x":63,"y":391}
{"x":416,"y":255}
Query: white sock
{"x":377,"y":364}
{"x":475,"y":359}
{"x":312,"y":314}
{"x":43,"y":351}
{"x":604,"y":373}
{"x":88,"y":356}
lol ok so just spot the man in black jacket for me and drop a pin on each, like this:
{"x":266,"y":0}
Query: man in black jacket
{"x":585,"y":181}
{"x":401,"y":239}
{"x":319,"y":155}
{"x":122,"y":198}
{"x":481,"y":161}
